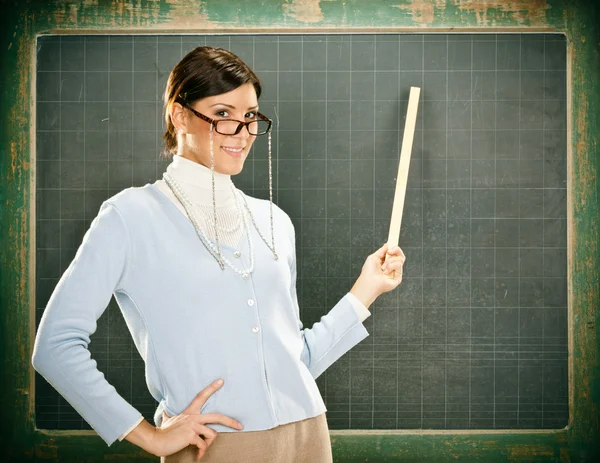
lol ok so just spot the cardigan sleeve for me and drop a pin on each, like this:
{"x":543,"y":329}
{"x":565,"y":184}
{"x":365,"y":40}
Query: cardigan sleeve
{"x":335,"y":334}
{"x":361,"y":311}
{"x":61,"y":352}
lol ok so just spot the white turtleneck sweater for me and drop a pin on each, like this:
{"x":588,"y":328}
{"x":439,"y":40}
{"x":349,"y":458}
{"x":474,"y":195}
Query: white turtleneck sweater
{"x":196,"y":181}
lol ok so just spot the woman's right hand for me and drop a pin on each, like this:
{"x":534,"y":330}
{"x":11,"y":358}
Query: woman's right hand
{"x":189,"y":427}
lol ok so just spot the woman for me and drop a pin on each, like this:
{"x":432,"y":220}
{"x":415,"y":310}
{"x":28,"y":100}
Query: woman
{"x":206,"y":279}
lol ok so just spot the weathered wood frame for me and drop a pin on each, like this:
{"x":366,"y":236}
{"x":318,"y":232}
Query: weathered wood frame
{"x":23,"y":20}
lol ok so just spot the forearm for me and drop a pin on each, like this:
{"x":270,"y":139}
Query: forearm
{"x":364,"y":292}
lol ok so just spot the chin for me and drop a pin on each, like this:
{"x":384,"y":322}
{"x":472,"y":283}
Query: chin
{"x":237,"y":171}
{"x":234,"y":169}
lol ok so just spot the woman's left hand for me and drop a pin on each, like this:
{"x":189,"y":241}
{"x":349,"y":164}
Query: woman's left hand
{"x":381,"y":272}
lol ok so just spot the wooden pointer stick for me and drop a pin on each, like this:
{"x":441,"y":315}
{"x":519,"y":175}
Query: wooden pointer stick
{"x":402,"y":179}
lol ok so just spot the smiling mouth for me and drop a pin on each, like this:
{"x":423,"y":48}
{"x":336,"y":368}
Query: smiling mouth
{"x":236,"y":152}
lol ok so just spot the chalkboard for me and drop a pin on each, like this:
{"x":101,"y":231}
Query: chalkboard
{"x":476,"y":336}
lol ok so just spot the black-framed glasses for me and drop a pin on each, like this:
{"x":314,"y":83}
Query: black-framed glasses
{"x":258,"y":126}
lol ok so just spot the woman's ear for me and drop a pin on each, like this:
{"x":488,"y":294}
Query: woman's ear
{"x":178,"y":117}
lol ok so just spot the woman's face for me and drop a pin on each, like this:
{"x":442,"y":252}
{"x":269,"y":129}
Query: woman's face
{"x":230,"y":151}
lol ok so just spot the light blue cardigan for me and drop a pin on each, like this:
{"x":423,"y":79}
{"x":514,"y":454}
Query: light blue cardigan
{"x":191,"y":321}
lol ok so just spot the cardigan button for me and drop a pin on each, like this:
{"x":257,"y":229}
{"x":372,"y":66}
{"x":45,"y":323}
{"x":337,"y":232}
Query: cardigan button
{"x":250,"y":302}
{"x":255,"y":329}
{"x":237,"y":254}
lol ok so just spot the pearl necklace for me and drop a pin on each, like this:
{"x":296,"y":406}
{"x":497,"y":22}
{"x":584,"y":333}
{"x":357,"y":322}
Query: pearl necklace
{"x":208,"y":244}
{"x":226,"y":230}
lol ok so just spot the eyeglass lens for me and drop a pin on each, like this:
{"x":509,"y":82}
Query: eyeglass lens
{"x":226,"y":127}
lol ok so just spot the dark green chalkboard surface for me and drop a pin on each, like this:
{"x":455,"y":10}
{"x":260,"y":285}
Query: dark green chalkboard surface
{"x":476,"y":336}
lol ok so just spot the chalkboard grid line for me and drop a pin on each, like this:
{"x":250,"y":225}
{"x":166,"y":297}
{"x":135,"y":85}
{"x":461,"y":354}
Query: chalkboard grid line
{"x":373,"y":227}
{"x":446,"y":250}
{"x":131,"y":359}
{"x":60,"y":150}
{"x":276,"y":108}
{"x":108,"y":331}
{"x":82,"y":421}
{"x":350,"y":225}
{"x":326,"y":163}
{"x":519,"y":251}
{"x":417,"y":130}
{"x":470,"y":247}
{"x":301,"y":138}
{"x":399,"y":141}
{"x":543,"y":209}
{"x":308,"y":71}
{"x":390,"y":190}
{"x":404,"y":279}
{"x":495,"y":248}
{"x":422,"y":244}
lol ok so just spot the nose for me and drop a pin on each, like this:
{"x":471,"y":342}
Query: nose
{"x":244,"y":133}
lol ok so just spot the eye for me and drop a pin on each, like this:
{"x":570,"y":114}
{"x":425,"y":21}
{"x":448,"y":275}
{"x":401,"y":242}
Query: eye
{"x":222,"y":113}
{"x":250,"y":115}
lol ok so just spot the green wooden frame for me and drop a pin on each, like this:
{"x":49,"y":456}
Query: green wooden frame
{"x":22,"y":20}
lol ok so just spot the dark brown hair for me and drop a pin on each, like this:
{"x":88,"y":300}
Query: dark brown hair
{"x":203,"y":72}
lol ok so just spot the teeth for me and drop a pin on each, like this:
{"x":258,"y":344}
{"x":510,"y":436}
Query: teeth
{"x":239,"y":150}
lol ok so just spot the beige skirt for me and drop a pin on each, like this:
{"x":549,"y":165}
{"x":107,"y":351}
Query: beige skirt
{"x":305,"y":441}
